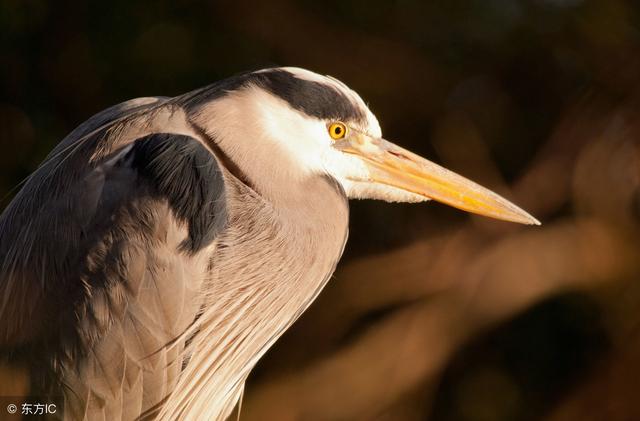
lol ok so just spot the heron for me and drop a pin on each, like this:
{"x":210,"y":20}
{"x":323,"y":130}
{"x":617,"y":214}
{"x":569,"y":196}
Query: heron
{"x":165,"y":244}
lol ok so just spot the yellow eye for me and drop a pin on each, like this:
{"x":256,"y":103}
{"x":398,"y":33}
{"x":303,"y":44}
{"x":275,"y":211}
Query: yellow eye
{"x":337,"y":130}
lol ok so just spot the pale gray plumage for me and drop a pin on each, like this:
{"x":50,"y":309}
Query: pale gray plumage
{"x":166,"y":243}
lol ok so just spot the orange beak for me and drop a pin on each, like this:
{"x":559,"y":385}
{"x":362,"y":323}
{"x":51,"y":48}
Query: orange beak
{"x":394,"y":166}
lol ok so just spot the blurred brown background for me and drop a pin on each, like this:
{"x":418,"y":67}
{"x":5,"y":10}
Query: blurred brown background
{"x":433,"y":314}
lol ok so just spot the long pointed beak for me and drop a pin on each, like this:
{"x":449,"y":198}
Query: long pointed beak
{"x":394,"y":166}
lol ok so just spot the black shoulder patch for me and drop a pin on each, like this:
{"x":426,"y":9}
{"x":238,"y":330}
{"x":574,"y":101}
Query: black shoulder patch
{"x":186,"y":173}
{"x":310,"y":97}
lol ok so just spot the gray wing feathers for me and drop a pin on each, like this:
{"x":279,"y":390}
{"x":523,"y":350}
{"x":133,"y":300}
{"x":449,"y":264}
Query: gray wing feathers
{"x":137,"y":364}
{"x":141,"y":211}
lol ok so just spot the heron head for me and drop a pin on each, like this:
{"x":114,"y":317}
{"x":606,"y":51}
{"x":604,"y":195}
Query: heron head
{"x":325,"y":127}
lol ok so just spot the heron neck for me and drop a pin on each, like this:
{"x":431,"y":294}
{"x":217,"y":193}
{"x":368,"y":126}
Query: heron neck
{"x":269,"y":265}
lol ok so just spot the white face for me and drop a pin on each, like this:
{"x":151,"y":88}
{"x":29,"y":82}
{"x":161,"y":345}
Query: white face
{"x":309,"y":143}
{"x":279,"y":143}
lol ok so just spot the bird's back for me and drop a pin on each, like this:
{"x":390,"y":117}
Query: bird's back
{"x":92,"y":288}
{"x":28,"y":240}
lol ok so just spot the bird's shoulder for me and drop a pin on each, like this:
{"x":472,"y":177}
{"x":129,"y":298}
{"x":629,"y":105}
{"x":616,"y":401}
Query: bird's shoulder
{"x":130,"y":180}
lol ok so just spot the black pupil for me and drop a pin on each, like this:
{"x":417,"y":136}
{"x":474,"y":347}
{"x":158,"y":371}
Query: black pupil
{"x":338,"y":130}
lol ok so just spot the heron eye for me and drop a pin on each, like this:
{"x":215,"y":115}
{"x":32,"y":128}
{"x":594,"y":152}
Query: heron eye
{"x":337,"y":130}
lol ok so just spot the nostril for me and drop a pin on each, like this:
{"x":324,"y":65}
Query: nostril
{"x":399,"y":155}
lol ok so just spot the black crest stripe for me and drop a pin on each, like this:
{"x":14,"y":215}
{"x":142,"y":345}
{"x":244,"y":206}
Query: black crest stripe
{"x":313,"y":98}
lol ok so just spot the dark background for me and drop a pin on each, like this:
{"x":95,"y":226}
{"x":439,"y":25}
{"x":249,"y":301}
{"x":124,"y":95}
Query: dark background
{"x":433,"y":314}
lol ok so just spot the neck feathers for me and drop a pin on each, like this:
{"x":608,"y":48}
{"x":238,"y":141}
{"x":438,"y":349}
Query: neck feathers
{"x":268,"y":267}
